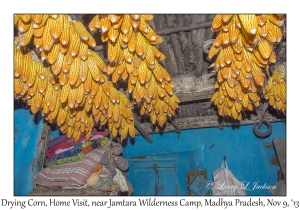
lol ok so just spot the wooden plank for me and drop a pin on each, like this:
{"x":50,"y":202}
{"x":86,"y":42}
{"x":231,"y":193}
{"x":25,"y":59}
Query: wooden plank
{"x":191,"y":88}
{"x":203,"y":122}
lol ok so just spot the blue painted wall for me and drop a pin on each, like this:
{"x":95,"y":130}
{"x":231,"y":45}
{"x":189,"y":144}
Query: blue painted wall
{"x":247,"y":157}
{"x":27,"y":131}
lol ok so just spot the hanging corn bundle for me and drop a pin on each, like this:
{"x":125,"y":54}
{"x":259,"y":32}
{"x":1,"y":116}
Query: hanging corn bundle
{"x":132,"y":56}
{"x":245,"y":47}
{"x":275,"y":90}
{"x":72,"y":92}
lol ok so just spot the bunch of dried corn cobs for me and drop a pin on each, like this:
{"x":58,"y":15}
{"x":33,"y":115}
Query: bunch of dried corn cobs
{"x":132,"y":56}
{"x":71,"y":90}
{"x":275,"y":90}
{"x":245,"y":46}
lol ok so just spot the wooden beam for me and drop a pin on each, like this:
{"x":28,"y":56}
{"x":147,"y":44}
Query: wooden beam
{"x":191,"y":88}
{"x":204,"y":122}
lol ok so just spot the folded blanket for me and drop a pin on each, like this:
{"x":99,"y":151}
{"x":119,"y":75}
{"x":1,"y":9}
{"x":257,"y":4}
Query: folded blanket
{"x":62,"y":145}
{"x":87,"y":150}
{"x":70,"y":174}
{"x":74,"y":158}
{"x":62,"y":150}
{"x":56,"y":141}
{"x":69,"y":153}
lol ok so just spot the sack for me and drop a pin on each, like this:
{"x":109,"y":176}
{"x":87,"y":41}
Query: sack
{"x":225,"y":182}
{"x":198,"y":185}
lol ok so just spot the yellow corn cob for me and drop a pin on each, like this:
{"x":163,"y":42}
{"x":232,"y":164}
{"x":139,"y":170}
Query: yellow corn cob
{"x":38,"y":99}
{"x":225,"y":72}
{"x":274,"y":19}
{"x":33,"y":109}
{"x":48,"y":94}
{"x":132,"y":43}
{"x":54,"y":16}
{"x":72,"y":97}
{"x":83,"y":51}
{"x":126,"y":24}
{"x":257,"y":75}
{"x":227,"y":18}
{"x":37,"y":18}
{"x":74,"y":70}
{"x":234,"y":112}
{"x":272,"y":58}
{"x":48,"y":41}
{"x":225,"y":38}
{"x":65,"y":90}
{"x":57,"y":66}
{"x":113,"y":34}
{"x":42,"y":85}
{"x":158,"y":55}
{"x":17,"y":18}
{"x":53,"y":99}
{"x":231,"y":81}
{"x":272,"y":32}
{"x":105,"y":23}
{"x":38,"y":32}
{"x":53,"y":53}
{"x":142,"y":71}
{"x":70,"y":131}
{"x":215,"y":97}
{"x":229,"y":102}
{"x":147,"y":17}
{"x":249,"y":23}
{"x":97,"y":99}
{"x":157,"y":72}
{"x":282,"y":91}
{"x":233,"y":33}
{"x":63,"y":79}
{"x":230,"y":91}
{"x":245,"y":101}
{"x":217,"y":23}
{"x":23,"y":26}
{"x":18,"y":62}
{"x":95,"y":110}
{"x":32,"y":74}
{"x":227,"y":111}
{"x":238,"y":106}
{"x":94,"y":88}
{"x":226,"y":26}
{"x":116,"y":113}
{"x":253,"y":88}
{"x":80,"y":94}
{"x":42,"y":23}
{"x":261,"y":19}
{"x":74,"y":43}
{"x":245,"y":73}
{"x":26,"y":67}
{"x":213,"y":51}
{"x":18,"y":85}
{"x":88,"y":83}
{"x":44,"y":55}
{"x":100,"y":63}
{"x":252,"y":96}
{"x":93,"y":68}
{"x":263,"y":30}
{"x":57,"y":27}
{"x":25,"y":37}
{"x":65,"y":35}
{"x":93,"y":25}
{"x":81,"y":30}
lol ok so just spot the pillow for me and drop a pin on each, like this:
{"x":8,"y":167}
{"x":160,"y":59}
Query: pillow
{"x":73,"y":173}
